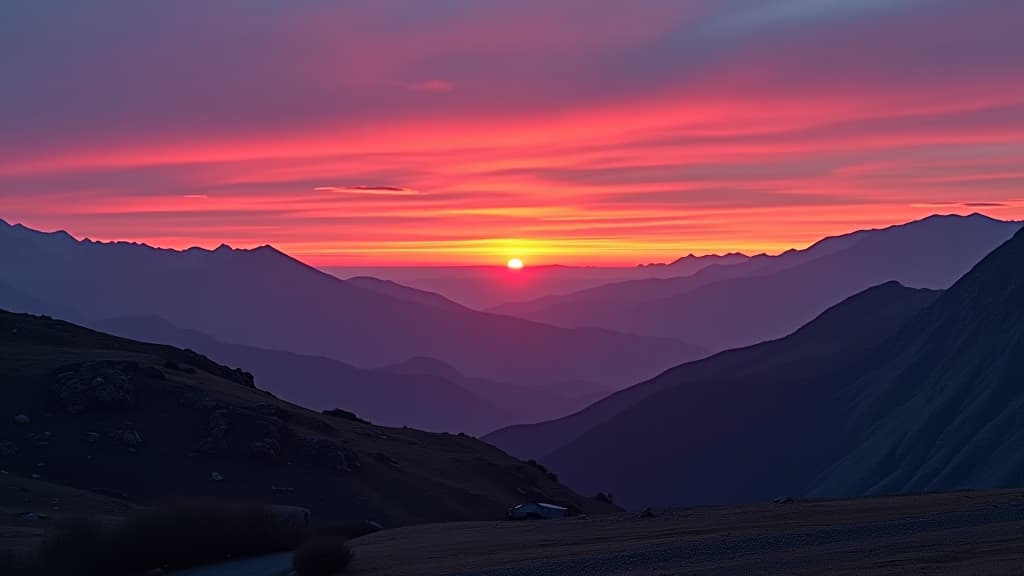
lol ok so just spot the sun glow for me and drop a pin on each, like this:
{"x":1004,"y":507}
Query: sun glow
{"x":515,"y":264}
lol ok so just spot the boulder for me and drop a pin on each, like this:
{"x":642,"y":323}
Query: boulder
{"x":265,"y":449}
{"x":327,"y":453}
{"x":127,"y":436}
{"x":8,"y":449}
{"x":103,"y":384}
{"x":22,"y":419}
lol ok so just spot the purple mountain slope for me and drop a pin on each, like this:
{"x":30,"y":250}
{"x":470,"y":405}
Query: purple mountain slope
{"x":265,"y":299}
{"x":893,"y":390}
{"x":698,"y":432}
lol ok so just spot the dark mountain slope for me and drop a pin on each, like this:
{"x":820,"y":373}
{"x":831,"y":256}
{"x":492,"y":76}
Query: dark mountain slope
{"x":930,"y":253}
{"x":11,"y":299}
{"x":701,"y":404}
{"x":875,"y":404}
{"x":425,"y":402}
{"x":265,"y":299}
{"x":946,"y":410}
{"x":767,"y":297}
{"x":154,"y":423}
{"x":518,"y":404}
{"x":396,"y":290}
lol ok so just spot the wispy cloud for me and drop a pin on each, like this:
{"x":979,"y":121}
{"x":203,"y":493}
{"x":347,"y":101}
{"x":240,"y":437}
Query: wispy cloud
{"x":369,"y":190}
{"x":592,"y":132}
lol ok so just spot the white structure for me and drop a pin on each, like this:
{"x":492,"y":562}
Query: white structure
{"x":537,"y":511}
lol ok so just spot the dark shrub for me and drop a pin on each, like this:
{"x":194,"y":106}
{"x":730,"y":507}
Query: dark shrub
{"x":606,"y":498}
{"x":172,"y":538}
{"x":322,"y":556}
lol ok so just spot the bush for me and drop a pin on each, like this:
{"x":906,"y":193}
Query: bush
{"x":322,"y":556}
{"x":170,"y":538}
{"x":606,"y":498}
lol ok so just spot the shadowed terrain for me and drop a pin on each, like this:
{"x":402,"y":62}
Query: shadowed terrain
{"x":153,"y":423}
{"x":894,"y":390}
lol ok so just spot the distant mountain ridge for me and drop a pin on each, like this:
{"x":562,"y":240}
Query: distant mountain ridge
{"x":766,"y":297}
{"x":421,"y":393}
{"x":263,"y":298}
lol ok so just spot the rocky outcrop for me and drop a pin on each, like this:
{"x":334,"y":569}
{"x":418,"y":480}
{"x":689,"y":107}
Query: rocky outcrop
{"x":102,"y":385}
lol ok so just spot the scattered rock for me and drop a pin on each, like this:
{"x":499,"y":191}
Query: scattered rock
{"x":127,"y":436}
{"x":22,"y":419}
{"x":101,"y":384}
{"x":265,"y":449}
{"x":386,"y":459}
{"x":92,"y":437}
{"x":268,"y":409}
{"x":215,"y":441}
{"x":216,"y":477}
{"x":8,"y":449}
{"x":32,"y":516}
{"x":325,"y":452}
{"x":343,"y":415}
{"x":782,"y":500}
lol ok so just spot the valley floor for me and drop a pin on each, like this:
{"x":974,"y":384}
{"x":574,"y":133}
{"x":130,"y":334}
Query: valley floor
{"x":960,"y":533}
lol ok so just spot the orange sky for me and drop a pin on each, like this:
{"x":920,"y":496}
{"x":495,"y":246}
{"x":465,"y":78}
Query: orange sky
{"x":522,"y":130}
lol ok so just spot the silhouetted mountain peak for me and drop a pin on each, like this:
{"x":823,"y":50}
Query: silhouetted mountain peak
{"x":994,"y":282}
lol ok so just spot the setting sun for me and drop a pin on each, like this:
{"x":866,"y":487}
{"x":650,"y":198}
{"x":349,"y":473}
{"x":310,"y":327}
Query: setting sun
{"x":515,"y":264}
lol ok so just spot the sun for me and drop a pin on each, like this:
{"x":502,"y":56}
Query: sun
{"x":515,"y":264}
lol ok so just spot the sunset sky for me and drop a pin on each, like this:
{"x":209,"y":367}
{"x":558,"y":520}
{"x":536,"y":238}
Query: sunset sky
{"x":471,"y":131}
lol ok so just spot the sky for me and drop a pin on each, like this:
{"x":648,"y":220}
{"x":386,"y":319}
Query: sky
{"x":598,"y":132}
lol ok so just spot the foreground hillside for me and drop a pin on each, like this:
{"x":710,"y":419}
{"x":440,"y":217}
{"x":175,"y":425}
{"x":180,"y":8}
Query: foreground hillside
{"x":152,"y":423}
{"x":894,"y":390}
{"x":964,"y":533}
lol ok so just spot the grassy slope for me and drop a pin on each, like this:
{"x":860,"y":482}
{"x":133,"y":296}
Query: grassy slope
{"x":405,"y":476}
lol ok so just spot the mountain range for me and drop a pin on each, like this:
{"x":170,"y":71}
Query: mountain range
{"x":422,"y":393}
{"x":766,"y":297}
{"x":263,"y":298}
{"x":893,"y":390}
